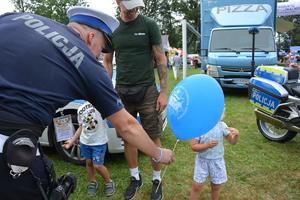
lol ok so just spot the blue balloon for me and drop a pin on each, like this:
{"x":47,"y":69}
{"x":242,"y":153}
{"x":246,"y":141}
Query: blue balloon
{"x":195,"y":106}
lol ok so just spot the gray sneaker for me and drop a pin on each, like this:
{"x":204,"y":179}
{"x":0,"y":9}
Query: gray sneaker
{"x":92,"y":188}
{"x":110,"y":188}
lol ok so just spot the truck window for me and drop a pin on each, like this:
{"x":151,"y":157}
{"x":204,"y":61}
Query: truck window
{"x":239,"y":40}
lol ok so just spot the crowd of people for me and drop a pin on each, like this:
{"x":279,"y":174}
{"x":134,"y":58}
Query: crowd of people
{"x":51,"y":64}
{"x":289,"y":59}
{"x":175,"y":62}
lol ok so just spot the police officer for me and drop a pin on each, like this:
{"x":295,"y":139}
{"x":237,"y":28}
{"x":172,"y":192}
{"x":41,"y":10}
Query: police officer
{"x":43,"y":66}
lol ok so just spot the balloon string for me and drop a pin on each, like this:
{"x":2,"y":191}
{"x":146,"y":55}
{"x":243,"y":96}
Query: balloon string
{"x":164,"y":172}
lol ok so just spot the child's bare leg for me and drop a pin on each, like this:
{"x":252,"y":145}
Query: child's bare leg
{"x":215,"y":191}
{"x":90,"y":170}
{"x":196,"y":190}
{"x":102,"y":170}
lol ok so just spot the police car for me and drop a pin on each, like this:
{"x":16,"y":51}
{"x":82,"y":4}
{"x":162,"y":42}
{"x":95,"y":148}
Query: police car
{"x":65,"y":123}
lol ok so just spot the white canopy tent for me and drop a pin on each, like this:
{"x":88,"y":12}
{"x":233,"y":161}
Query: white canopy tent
{"x":288,"y":8}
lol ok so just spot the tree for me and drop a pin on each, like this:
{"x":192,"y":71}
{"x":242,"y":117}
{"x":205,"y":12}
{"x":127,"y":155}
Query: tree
{"x":53,"y":9}
{"x":294,"y":35}
{"x":161,"y":12}
{"x":166,"y":14}
{"x":190,"y":11}
{"x":291,"y":38}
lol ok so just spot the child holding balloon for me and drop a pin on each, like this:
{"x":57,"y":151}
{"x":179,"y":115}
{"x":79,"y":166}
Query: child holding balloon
{"x":210,"y":161}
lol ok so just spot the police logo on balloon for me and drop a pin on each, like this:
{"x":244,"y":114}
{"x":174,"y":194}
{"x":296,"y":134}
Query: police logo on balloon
{"x":178,"y":102}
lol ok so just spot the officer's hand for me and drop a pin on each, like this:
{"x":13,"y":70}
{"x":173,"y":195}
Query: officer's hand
{"x":168,"y":157}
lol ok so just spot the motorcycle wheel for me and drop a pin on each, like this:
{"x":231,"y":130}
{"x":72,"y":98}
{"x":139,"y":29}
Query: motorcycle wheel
{"x":274,"y":133}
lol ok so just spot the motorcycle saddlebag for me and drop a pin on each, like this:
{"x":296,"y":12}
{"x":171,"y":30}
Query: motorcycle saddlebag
{"x":265,"y":94}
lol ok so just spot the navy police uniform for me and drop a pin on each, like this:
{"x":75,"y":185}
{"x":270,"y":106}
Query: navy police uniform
{"x":43,"y":66}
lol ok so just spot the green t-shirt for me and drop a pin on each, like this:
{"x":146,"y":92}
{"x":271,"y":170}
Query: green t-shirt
{"x":132,"y":43}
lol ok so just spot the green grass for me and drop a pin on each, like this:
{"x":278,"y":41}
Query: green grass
{"x":257,"y":168}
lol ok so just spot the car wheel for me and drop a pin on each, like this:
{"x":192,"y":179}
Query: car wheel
{"x":70,"y":155}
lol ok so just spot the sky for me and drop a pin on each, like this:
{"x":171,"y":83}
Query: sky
{"x":107,"y":6}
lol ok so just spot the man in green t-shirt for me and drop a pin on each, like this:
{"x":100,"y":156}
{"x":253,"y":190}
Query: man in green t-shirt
{"x":137,"y":45}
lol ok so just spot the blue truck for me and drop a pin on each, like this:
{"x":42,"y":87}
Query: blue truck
{"x":226,"y":44}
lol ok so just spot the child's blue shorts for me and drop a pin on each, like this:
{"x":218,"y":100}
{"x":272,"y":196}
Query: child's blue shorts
{"x":95,"y":152}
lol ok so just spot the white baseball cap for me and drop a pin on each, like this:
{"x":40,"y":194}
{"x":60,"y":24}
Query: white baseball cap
{"x":130,"y":4}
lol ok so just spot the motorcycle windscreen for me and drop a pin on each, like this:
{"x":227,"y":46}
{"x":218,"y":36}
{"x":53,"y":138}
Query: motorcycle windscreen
{"x":274,"y":73}
{"x":265,"y":94}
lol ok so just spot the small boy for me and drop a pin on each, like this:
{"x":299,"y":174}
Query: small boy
{"x":210,"y":161}
{"x":93,"y":145}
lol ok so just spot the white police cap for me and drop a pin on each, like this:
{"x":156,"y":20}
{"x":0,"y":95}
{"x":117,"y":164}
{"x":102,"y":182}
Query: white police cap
{"x":93,"y":18}
{"x":130,"y":4}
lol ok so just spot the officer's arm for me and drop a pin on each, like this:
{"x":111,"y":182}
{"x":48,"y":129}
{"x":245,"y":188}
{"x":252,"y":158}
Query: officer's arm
{"x":107,"y":62}
{"x":131,"y":131}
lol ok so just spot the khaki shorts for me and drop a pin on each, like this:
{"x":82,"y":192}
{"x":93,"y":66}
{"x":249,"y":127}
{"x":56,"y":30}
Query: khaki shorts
{"x":151,"y":120}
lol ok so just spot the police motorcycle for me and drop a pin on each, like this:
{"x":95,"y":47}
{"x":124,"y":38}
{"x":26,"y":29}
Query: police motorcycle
{"x":275,"y":93}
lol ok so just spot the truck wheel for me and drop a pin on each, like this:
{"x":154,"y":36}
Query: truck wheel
{"x":274,"y":133}
{"x":70,"y":155}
